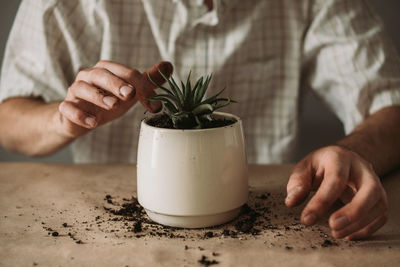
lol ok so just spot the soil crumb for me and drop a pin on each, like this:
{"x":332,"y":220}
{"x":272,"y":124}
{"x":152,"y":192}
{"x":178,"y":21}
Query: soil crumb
{"x":206,"y":262}
{"x":328,"y":243}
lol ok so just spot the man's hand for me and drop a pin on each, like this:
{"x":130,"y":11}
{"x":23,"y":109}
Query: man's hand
{"x":337,"y":173}
{"x":100,"y":94}
{"x":104,"y":93}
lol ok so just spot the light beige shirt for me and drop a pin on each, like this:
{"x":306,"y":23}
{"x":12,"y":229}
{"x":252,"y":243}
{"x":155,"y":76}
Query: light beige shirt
{"x":267,"y":52}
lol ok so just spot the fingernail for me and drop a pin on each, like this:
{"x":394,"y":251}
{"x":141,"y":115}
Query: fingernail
{"x":340,"y":223}
{"x":109,"y":101}
{"x":293,"y":192}
{"x":309,"y":219}
{"x":90,"y":121}
{"x":125,"y":90}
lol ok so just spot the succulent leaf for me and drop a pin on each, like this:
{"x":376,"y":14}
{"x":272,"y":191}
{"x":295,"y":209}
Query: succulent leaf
{"x":196,"y":88}
{"x":176,"y":91}
{"x":166,"y":98}
{"x":202,"y":90}
{"x":169,"y":109}
{"x":185,"y":105}
{"x":180,"y":94}
{"x":188,"y":87}
{"x":222,"y":105}
{"x":159,"y":86}
{"x":203,"y":109}
{"x":212,"y":98}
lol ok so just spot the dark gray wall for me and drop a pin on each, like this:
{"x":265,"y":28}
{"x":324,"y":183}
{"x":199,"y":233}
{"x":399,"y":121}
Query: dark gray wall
{"x":319,"y":125}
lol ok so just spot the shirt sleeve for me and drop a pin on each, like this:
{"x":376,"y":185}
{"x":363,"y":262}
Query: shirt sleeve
{"x":349,"y":62}
{"x":44,"y":50}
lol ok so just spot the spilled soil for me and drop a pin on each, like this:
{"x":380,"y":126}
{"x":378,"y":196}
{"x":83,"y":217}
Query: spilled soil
{"x":263,"y":218}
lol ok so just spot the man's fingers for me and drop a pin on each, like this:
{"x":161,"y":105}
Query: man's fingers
{"x":369,"y":229}
{"x":135,"y":77}
{"x":333,"y":184}
{"x":108,"y":81}
{"x":85,"y":91}
{"x":76,"y":115}
{"x":339,"y":173}
{"x":299,"y":183}
{"x":105,"y":92}
{"x":143,"y":86}
{"x":369,"y":194}
{"x":338,"y":232}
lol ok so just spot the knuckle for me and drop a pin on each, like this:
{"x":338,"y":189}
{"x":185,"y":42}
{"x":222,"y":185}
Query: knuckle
{"x":78,"y":85}
{"x":82,"y":74}
{"x":106,"y":79}
{"x":340,"y":153}
{"x":71,"y":111}
{"x":102,"y":63}
{"x":332,"y":155}
{"x":132,"y":73}
{"x":336,"y":149}
{"x":95,"y":74}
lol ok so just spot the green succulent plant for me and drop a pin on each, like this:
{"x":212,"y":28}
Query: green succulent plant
{"x":185,"y":105}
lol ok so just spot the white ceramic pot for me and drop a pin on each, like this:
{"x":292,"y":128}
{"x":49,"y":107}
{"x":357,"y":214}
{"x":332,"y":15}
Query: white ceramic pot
{"x":192,"y":178}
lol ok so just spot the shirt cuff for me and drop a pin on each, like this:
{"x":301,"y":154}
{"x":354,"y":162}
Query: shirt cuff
{"x":385,"y":99}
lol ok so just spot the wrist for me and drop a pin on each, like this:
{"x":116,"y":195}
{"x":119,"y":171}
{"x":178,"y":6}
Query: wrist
{"x":363,"y":146}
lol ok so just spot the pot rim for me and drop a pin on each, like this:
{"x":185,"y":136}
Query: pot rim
{"x":223,"y":114}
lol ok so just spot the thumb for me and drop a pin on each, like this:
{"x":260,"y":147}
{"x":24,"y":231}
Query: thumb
{"x":148,"y":87}
{"x":299,"y":184}
{"x":164,"y":66}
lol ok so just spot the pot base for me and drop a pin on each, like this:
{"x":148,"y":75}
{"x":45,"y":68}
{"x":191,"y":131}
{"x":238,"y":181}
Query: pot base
{"x":193,"y":221}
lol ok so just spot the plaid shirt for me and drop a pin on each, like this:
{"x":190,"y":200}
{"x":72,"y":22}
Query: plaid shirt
{"x":267,"y":52}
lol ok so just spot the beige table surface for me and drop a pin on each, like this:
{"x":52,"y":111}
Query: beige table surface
{"x":37,"y":199}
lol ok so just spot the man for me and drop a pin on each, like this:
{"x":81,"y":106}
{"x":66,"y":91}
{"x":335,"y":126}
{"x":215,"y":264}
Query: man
{"x":71,"y":74}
